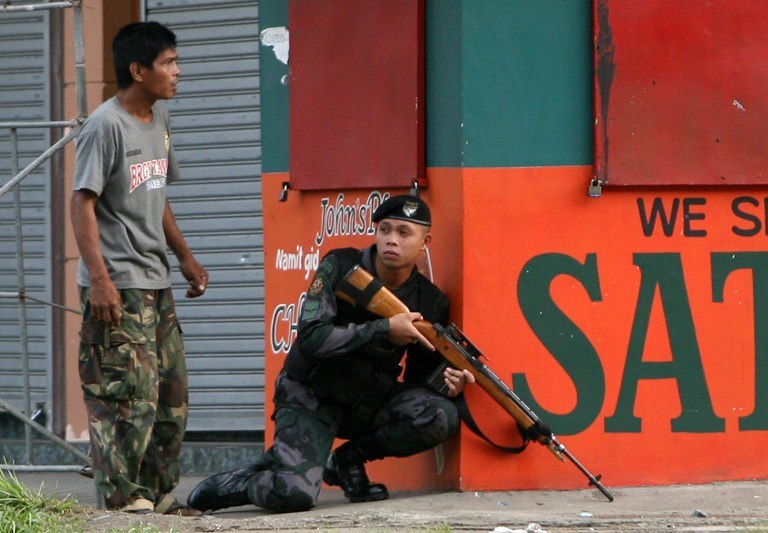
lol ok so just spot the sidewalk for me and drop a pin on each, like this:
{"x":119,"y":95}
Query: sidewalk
{"x":733,"y":506}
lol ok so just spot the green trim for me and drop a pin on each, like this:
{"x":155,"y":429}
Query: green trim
{"x":274,"y":92}
{"x":527,"y":83}
{"x":443,"y":42}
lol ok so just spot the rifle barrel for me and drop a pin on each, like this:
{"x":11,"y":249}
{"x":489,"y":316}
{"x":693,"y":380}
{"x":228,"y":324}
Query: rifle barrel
{"x":593,"y":480}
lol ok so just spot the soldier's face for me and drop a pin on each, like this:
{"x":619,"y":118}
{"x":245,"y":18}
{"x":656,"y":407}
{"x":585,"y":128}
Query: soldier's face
{"x":399,"y":242}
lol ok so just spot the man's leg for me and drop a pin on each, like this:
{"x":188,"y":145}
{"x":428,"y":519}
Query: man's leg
{"x":294,"y":464}
{"x":160,"y":468}
{"x":413,"y":420}
{"x":287,"y":478}
{"x":119,"y":382}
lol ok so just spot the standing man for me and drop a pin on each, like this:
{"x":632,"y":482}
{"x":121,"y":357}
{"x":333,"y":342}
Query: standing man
{"x":340,"y":379}
{"x":132,"y":366}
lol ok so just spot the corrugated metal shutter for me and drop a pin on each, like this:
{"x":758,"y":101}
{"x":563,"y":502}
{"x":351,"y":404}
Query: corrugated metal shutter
{"x":25,"y":96}
{"x":216,"y":117}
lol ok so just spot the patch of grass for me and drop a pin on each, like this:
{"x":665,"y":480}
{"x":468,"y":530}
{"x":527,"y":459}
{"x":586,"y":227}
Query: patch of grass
{"x":31,"y":511}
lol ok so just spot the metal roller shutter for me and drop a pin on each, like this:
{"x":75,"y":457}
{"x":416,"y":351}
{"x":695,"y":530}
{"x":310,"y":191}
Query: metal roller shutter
{"x":216,"y":118}
{"x":25,"y":97}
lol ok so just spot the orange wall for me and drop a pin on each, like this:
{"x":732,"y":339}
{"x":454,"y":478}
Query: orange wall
{"x":555,"y":216}
{"x":690,"y":381}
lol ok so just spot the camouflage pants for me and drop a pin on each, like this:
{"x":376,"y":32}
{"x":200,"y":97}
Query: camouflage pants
{"x":134,"y":382}
{"x":412,"y":420}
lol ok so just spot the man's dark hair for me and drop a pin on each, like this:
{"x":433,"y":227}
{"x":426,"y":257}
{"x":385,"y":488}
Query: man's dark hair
{"x":141,"y":42}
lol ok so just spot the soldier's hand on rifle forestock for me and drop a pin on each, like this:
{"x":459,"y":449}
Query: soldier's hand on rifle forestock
{"x":402,"y":330}
{"x":456,"y":380}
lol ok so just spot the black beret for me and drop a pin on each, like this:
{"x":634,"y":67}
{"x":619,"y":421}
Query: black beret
{"x":404,"y":207}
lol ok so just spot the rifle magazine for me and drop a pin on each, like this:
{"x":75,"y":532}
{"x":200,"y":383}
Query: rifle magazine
{"x":436,"y":380}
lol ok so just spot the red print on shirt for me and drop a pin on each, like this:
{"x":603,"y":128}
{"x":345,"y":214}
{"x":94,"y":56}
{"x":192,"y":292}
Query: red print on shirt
{"x":141,"y":172}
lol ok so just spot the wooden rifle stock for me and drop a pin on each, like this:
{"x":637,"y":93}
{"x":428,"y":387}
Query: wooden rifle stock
{"x":361,"y":289}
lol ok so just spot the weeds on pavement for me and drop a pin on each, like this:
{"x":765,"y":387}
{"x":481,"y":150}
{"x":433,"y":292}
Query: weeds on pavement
{"x":27,"y":510}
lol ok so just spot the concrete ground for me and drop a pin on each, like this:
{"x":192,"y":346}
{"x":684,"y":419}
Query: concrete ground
{"x":733,"y":506}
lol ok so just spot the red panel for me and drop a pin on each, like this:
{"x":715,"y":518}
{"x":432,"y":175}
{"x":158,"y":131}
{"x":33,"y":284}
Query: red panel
{"x":356,"y":93}
{"x":680,"y":91}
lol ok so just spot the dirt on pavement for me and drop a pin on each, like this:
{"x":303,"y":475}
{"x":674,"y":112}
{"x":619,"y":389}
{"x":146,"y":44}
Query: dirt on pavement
{"x":736,"y":506}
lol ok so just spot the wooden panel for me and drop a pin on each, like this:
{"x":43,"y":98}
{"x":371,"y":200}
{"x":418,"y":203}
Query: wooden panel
{"x":356,"y":93}
{"x":679,"y":92}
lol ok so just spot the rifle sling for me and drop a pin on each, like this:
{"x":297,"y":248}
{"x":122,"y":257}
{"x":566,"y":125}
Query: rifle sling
{"x":463,"y":408}
{"x":361,"y":297}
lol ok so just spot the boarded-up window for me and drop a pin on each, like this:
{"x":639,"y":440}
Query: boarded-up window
{"x":356,"y":93}
{"x":680,"y":92}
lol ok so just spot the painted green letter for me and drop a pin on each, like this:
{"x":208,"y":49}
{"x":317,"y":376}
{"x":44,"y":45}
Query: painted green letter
{"x":665,"y":271}
{"x":564,"y":340}
{"x":722,"y":265}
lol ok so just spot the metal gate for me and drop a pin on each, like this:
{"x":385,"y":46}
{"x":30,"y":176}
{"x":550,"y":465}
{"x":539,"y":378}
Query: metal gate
{"x":216,"y":117}
{"x":25,"y":94}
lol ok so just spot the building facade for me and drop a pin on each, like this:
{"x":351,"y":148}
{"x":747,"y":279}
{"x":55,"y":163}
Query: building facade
{"x":629,"y":316}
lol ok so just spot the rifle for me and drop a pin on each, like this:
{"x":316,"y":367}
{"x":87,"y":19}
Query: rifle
{"x":364,"y":291}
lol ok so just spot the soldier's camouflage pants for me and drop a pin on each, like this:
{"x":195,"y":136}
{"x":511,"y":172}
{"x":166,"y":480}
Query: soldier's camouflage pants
{"x":134,"y":382}
{"x":412,"y":420}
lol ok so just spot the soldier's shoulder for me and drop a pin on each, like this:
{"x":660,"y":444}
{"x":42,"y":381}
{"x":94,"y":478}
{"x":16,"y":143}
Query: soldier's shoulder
{"x":343,"y":255}
{"x":337,"y":262}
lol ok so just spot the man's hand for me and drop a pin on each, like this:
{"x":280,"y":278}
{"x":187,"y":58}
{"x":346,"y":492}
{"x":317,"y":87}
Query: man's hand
{"x":456,"y":380}
{"x":196,"y":275}
{"x":402,"y":331}
{"x":106,"y":303}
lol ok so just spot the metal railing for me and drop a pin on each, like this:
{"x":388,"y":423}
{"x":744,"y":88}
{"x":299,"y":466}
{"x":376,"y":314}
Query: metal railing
{"x":14,"y":184}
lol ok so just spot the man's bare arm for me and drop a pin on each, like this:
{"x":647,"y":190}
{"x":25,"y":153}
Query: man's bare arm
{"x":192,"y":271}
{"x":105,"y":299}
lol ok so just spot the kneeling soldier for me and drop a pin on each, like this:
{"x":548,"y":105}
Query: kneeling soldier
{"x":340,"y":379}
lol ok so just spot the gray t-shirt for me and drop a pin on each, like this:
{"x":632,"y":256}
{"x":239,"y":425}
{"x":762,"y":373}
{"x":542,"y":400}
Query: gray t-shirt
{"x":128,"y":163}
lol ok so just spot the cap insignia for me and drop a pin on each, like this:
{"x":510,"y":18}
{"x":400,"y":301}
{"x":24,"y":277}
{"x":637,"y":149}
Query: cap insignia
{"x":410,"y":208}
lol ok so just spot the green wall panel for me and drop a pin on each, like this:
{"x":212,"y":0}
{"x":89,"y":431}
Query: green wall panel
{"x":443,"y":36}
{"x":274,"y":92}
{"x":527,"y":83}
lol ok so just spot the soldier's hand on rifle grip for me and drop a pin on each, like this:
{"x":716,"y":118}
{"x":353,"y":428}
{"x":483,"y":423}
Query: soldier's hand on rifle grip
{"x":456,"y":380}
{"x":402,"y":331}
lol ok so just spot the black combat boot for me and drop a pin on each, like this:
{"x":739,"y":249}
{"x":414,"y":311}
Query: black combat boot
{"x":228,"y":489}
{"x":353,"y":480}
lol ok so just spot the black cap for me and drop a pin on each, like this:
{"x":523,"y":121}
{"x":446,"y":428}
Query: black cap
{"x":404,"y":207}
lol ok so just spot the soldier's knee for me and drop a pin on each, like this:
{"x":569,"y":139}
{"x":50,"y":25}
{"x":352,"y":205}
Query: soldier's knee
{"x":439,"y":419}
{"x":452,"y":419}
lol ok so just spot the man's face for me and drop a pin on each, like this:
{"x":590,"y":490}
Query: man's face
{"x":163,"y":78}
{"x":399,"y":242}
